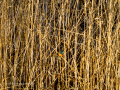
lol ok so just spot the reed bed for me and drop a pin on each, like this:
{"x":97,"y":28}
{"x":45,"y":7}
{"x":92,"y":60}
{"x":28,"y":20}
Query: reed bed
{"x":34,"y":32}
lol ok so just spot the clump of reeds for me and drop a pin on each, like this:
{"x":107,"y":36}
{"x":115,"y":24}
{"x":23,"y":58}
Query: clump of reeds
{"x":33,"y":33}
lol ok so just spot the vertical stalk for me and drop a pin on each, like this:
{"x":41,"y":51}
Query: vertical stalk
{"x":75,"y":55}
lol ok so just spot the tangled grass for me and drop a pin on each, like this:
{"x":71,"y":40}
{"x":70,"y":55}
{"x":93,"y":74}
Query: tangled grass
{"x":34,"y":32}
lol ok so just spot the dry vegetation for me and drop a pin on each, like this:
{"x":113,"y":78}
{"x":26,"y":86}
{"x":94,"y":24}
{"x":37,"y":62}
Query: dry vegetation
{"x":32,"y":32}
